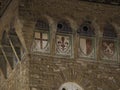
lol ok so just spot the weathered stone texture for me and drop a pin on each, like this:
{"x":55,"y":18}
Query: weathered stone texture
{"x":73,"y":9}
{"x":50,"y":73}
{"x":17,"y":79}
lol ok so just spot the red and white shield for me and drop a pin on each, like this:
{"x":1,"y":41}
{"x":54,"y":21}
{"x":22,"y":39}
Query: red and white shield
{"x":86,"y":45}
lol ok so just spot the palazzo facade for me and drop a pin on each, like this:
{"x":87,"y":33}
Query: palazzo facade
{"x":59,"y":45}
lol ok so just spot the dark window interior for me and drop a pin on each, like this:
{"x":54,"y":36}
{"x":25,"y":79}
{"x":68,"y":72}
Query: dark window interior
{"x":42,"y":25}
{"x":109,"y":31}
{"x":86,"y":29}
{"x":64,"y":27}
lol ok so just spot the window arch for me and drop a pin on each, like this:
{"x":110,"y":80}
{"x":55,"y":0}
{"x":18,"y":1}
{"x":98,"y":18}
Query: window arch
{"x":86,"y":40}
{"x":109,"y":43}
{"x":64,"y":39}
{"x":41,"y":41}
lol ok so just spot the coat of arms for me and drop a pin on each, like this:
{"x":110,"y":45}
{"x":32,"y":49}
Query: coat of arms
{"x":108,"y":48}
{"x":40,"y":42}
{"x":63,"y":44}
{"x":86,"y":46}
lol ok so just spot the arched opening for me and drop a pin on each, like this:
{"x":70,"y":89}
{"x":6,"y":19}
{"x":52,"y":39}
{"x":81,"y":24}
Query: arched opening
{"x":41,"y":37}
{"x":64,"y":39}
{"x":109,"y":43}
{"x":86,"y":44}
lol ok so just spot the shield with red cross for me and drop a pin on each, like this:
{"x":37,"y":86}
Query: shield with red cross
{"x":40,"y":41}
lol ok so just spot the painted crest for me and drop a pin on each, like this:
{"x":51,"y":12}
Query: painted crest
{"x":63,"y":44}
{"x":40,"y":42}
{"x":108,"y":48}
{"x":86,"y":46}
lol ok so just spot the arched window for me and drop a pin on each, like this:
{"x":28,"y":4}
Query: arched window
{"x":41,"y":42}
{"x":109,"y":41}
{"x":86,"y":40}
{"x":64,"y":39}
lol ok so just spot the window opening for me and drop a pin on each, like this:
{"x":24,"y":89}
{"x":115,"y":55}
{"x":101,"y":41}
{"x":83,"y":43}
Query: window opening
{"x":86,"y":40}
{"x":41,"y":37}
{"x":64,"y":39}
{"x":109,"y":43}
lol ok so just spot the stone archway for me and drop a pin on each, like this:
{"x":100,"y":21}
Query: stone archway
{"x":70,"y":86}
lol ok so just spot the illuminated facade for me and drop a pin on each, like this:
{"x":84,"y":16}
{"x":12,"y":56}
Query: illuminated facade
{"x":59,"y":45}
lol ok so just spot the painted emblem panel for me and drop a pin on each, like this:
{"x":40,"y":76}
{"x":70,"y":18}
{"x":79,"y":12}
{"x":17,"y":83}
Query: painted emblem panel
{"x":63,"y":44}
{"x":86,"y":47}
{"x":108,"y":50}
{"x":41,"y":42}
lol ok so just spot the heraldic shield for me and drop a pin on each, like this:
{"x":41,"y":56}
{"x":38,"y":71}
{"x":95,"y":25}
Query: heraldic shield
{"x":41,"y":42}
{"x":86,"y":47}
{"x":108,"y":48}
{"x":63,"y":45}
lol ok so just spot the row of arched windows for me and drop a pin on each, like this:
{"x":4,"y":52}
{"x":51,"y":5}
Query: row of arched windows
{"x":86,"y":40}
{"x":11,"y":49}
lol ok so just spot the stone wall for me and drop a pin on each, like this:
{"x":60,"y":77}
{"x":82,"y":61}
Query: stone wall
{"x":48,"y":71}
{"x":18,"y":78}
{"x":73,"y":9}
